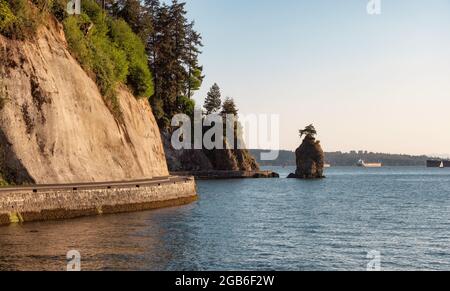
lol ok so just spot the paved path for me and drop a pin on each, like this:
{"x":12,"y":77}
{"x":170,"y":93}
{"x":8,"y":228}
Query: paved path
{"x":101,"y":185}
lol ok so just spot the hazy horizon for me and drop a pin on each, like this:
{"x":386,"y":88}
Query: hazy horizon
{"x":376,"y":83}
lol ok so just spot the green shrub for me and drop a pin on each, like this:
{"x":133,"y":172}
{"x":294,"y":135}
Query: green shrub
{"x":96,"y":14}
{"x":187,"y":106}
{"x":106,"y":47}
{"x":117,"y":58}
{"x":111,"y":50}
{"x":109,"y":63}
{"x":78,"y":43}
{"x":92,"y":9}
{"x":98,"y":54}
{"x":59,"y":9}
{"x":7,"y":18}
{"x":3,"y":183}
{"x":139,"y":78}
{"x":17,"y":19}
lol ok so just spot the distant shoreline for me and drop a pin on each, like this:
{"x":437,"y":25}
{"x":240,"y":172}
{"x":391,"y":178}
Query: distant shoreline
{"x":350,"y":159}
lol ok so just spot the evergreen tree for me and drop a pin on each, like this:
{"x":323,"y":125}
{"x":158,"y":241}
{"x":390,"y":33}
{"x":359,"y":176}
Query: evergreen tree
{"x":130,"y":10}
{"x":309,"y":131}
{"x":195,"y":77}
{"x":173,"y":47}
{"x":229,"y":107}
{"x":213,"y":100}
{"x":152,"y":8}
{"x":134,"y":14}
{"x":166,"y":65}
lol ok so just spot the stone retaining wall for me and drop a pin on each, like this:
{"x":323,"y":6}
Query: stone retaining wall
{"x":25,"y":206}
{"x":224,"y":175}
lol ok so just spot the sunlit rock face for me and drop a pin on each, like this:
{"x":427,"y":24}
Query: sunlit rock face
{"x":55,"y":126}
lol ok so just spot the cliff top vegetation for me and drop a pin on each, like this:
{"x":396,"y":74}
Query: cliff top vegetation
{"x":105,"y":46}
{"x":151,"y":46}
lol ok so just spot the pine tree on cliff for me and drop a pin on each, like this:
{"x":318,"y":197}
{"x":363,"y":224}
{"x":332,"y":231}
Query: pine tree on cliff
{"x":163,"y":63}
{"x":135,"y":15}
{"x":213,"y":100}
{"x":131,"y":11}
{"x":173,"y":47}
{"x":195,"y":77}
{"x":229,"y":107}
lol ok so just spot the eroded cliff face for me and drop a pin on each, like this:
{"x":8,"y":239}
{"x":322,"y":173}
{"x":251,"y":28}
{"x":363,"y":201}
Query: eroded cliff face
{"x":208,"y":160}
{"x":55,"y":126}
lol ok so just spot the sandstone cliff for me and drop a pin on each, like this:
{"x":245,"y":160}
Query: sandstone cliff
{"x":55,"y":126}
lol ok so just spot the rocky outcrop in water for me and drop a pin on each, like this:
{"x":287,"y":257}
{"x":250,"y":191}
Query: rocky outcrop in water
{"x":310,"y":159}
{"x":191,"y":160}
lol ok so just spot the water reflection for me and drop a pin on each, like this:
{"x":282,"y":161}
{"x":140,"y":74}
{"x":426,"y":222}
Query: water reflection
{"x":133,"y":241}
{"x":280,"y":224}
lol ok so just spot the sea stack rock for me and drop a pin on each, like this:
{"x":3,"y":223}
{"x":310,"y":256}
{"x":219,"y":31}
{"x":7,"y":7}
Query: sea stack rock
{"x":309,"y":156}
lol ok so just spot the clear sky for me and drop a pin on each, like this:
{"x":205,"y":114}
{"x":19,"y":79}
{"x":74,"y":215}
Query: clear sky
{"x":378,"y":83}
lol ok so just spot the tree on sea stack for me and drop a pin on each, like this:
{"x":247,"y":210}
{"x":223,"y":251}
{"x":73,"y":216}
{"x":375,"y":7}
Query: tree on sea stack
{"x":213,"y":100}
{"x":309,"y":156}
{"x":309,"y":130}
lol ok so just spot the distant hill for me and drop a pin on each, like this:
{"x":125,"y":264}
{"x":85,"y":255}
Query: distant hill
{"x":287,"y":158}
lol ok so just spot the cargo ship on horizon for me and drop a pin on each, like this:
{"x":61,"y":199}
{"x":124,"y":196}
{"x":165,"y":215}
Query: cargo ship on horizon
{"x":363,"y":164}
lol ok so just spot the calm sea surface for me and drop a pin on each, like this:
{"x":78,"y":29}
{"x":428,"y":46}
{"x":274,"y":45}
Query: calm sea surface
{"x":279,"y":224}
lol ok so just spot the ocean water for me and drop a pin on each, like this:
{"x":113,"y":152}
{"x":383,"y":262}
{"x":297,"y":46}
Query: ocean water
{"x":403,"y":214}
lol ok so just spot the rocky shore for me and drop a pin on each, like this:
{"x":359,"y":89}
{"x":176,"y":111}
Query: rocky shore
{"x":228,"y":175}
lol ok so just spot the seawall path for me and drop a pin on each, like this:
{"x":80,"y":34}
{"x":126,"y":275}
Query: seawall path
{"x":52,"y":202}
